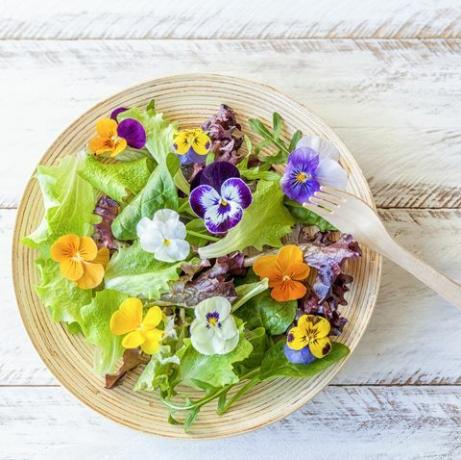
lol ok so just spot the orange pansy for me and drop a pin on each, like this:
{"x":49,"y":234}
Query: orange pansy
{"x":285,"y":270}
{"x":107,"y":140}
{"x":80,"y":260}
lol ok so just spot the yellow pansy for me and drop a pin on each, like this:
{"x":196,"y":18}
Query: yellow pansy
{"x":311,"y":331}
{"x":128,"y":321}
{"x":192,"y":139}
{"x":107,"y":140}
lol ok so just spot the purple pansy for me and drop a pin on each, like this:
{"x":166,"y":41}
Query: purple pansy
{"x":116,"y":111}
{"x":133,"y":132}
{"x":313,"y":163}
{"x":219,"y":197}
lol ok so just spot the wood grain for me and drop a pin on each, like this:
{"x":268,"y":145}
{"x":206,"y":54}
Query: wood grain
{"x":398,"y":348}
{"x":210,"y":19}
{"x":396,"y":104}
{"x":385,"y":423}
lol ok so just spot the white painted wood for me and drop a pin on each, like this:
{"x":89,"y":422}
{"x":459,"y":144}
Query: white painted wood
{"x":394,"y":423}
{"x":397,"y":104}
{"x":413,"y":336}
{"x":223,"y":19}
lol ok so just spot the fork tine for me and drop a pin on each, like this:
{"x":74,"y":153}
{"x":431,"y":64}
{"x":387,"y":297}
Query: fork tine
{"x":324,"y":203}
{"x":317,"y":210}
{"x":337,"y":200}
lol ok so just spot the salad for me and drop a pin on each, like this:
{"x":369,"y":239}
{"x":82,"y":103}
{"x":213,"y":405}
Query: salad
{"x":186,"y":253}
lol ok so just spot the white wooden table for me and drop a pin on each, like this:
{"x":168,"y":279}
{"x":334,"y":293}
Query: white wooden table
{"x":385,"y":75}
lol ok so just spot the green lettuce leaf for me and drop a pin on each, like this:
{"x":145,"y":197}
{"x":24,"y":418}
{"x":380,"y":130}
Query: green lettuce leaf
{"x":263,"y":310}
{"x":214,"y":370}
{"x":136,"y":273}
{"x":265,"y":222}
{"x":257,"y":338}
{"x":245,"y":292}
{"x":62,"y":297}
{"x":275,"y":363}
{"x":157,"y":371}
{"x":69,"y":202}
{"x":307,"y":217}
{"x":95,"y":322}
{"x":117,"y":180}
{"x":159,"y":193}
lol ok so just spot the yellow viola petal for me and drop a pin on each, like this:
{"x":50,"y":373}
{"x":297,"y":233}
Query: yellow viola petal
{"x":152,"y":341}
{"x":297,"y":338}
{"x":106,"y":127}
{"x":65,"y":247}
{"x":306,"y":321}
{"x":181,"y":142}
{"x":153,"y":318}
{"x":118,"y":147}
{"x":201,"y":143}
{"x":322,"y":326}
{"x":127,"y":318}
{"x":71,"y":269}
{"x":93,"y":275}
{"x":99,"y":145}
{"x":102,"y":257}
{"x":320,"y":347}
{"x":87,"y":249}
{"x":133,"y":340}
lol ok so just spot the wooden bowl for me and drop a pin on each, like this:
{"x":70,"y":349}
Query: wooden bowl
{"x":188,"y":99}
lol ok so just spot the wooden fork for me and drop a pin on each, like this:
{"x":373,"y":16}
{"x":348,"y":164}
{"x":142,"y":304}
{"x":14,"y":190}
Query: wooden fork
{"x":350,"y":214}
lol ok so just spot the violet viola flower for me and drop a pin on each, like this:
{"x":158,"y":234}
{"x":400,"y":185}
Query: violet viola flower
{"x":133,"y":132}
{"x":219,"y":197}
{"x":313,"y":163}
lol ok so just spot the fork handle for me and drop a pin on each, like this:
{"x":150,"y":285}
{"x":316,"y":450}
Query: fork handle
{"x":444,"y":286}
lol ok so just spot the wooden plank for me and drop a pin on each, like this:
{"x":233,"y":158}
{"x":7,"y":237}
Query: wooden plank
{"x":341,"y":422}
{"x":413,"y":336}
{"x":144,"y":19}
{"x":395,"y":103}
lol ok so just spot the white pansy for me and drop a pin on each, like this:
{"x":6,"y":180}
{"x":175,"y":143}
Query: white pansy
{"x":164,"y":236}
{"x":214,"y":330}
{"x":329,"y":172}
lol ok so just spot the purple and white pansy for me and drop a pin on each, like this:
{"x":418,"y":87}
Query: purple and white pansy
{"x":220,"y":197}
{"x":313,"y":163}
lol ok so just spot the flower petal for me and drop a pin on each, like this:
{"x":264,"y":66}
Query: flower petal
{"x":322,"y":326}
{"x":331,"y":173}
{"x":266,"y":267}
{"x":221,"y":218}
{"x":152,"y":341}
{"x":202,"y":198}
{"x":216,"y":174}
{"x":320,"y":347}
{"x":214,"y":304}
{"x":299,"y":271}
{"x":288,"y":255}
{"x":119,"y":147}
{"x":288,"y":290}
{"x":102,"y":257}
{"x":296,"y":338}
{"x":65,"y":247}
{"x":303,"y":356}
{"x":115,"y":112}
{"x":181,"y":142}
{"x":133,"y":340}
{"x":228,"y":328}
{"x":174,"y":230}
{"x":235,"y":189}
{"x":322,"y":146}
{"x":87,"y":249}
{"x":106,"y":127}
{"x":172,"y":250}
{"x":151,"y":241}
{"x":133,"y":132}
{"x":165,"y":215}
{"x":92,"y":276}
{"x":99,"y":145}
{"x":127,"y":318}
{"x":200,"y":332}
{"x":71,"y":269}
{"x":202,"y":142}
{"x":145,"y":225}
{"x":153,"y":318}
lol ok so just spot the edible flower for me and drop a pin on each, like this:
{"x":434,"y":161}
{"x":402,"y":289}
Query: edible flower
{"x":128,"y":319}
{"x":312,"y":332}
{"x":214,"y":330}
{"x":164,"y":236}
{"x":80,"y":260}
{"x":285,"y":270}
{"x":112,"y":138}
{"x":192,"y":145}
{"x":221,"y":197}
{"x":313,"y":163}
